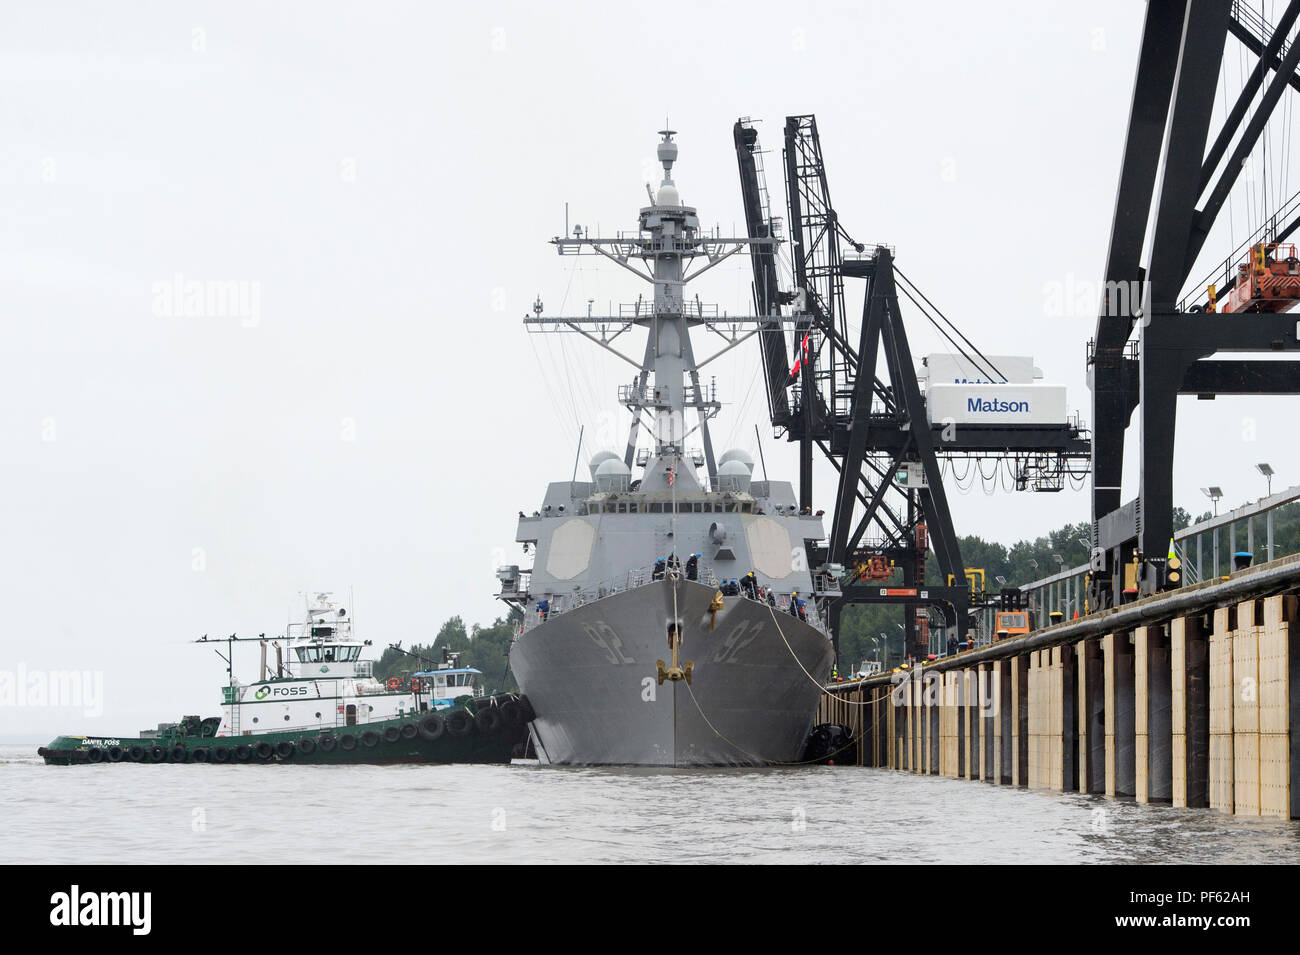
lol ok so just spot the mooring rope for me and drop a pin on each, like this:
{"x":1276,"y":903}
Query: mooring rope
{"x":811,"y":678}
{"x":770,"y":762}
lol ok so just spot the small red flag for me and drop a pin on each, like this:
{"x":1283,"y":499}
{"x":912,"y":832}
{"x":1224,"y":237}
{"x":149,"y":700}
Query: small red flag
{"x":803,"y":354}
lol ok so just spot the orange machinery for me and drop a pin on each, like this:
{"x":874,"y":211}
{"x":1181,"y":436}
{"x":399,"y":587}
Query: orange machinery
{"x":1014,"y":622}
{"x":1268,"y":282}
{"x":874,"y":568}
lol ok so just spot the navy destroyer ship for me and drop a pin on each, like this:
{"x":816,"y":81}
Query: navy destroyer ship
{"x":669,"y":617}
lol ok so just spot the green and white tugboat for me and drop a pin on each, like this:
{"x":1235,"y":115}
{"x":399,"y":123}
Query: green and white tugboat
{"x":322,"y":704}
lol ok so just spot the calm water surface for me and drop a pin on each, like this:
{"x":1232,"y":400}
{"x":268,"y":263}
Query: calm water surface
{"x":528,"y":813}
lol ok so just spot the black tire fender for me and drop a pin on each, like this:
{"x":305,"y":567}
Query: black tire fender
{"x":432,"y":727}
{"x":459,"y":723}
{"x":488,"y":720}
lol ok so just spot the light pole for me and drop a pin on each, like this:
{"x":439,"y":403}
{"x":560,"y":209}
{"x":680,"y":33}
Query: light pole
{"x":1267,"y":471}
{"x":1215,"y":494}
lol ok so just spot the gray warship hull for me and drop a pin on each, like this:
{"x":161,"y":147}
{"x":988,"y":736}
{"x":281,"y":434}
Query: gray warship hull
{"x":590,"y":674}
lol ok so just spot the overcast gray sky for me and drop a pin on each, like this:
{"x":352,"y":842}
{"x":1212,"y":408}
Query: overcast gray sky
{"x":383,"y":179}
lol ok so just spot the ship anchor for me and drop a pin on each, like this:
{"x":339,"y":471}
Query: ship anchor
{"x":676,"y":672}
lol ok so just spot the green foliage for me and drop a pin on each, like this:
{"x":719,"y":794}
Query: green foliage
{"x":484,"y":648}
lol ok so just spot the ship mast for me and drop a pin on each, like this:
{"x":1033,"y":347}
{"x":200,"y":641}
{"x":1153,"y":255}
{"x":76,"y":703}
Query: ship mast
{"x":667,"y":382}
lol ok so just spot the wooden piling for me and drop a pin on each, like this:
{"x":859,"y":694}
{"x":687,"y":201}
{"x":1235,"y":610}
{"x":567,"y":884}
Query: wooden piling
{"x":1091,"y":719}
{"x":1245,"y":709}
{"x":1221,"y":693}
{"x":934,"y":720}
{"x":1006,"y":712}
{"x":1279,"y":709}
{"x":971,"y":715}
{"x":987,"y":720}
{"x":1117,"y":661}
{"x":1020,"y":720}
{"x":1037,"y":711}
{"x":1189,"y":713}
{"x":952,"y":724}
{"x":1152,"y":685}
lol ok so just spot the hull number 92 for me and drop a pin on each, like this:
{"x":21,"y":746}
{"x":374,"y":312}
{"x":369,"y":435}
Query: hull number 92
{"x":603,"y":636}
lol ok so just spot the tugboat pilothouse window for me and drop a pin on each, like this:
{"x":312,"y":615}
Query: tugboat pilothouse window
{"x":328,"y":654}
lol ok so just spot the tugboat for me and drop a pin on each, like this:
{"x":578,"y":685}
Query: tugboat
{"x":323,"y":705}
{"x":670,"y":617}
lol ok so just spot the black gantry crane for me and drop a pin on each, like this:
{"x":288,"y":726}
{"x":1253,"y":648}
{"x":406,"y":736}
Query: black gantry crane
{"x":890,"y":507}
{"x":1155,"y":334}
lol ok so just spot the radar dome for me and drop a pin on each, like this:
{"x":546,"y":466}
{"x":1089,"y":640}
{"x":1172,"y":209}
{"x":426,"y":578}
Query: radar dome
{"x":599,"y":458}
{"x":734,"y":476}
{"x":612,"y":475}
{"x":737,"y":454}
{"x":667,"y":195}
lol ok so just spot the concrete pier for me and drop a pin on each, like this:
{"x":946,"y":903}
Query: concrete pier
{"x":1199,"y":708}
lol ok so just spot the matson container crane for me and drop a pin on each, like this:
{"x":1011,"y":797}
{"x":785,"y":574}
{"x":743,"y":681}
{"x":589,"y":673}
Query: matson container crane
{"x":857,"y":396}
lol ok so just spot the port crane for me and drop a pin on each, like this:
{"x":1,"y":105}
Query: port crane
{"x":1158,"y":335}
{"x":853,"y":394}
